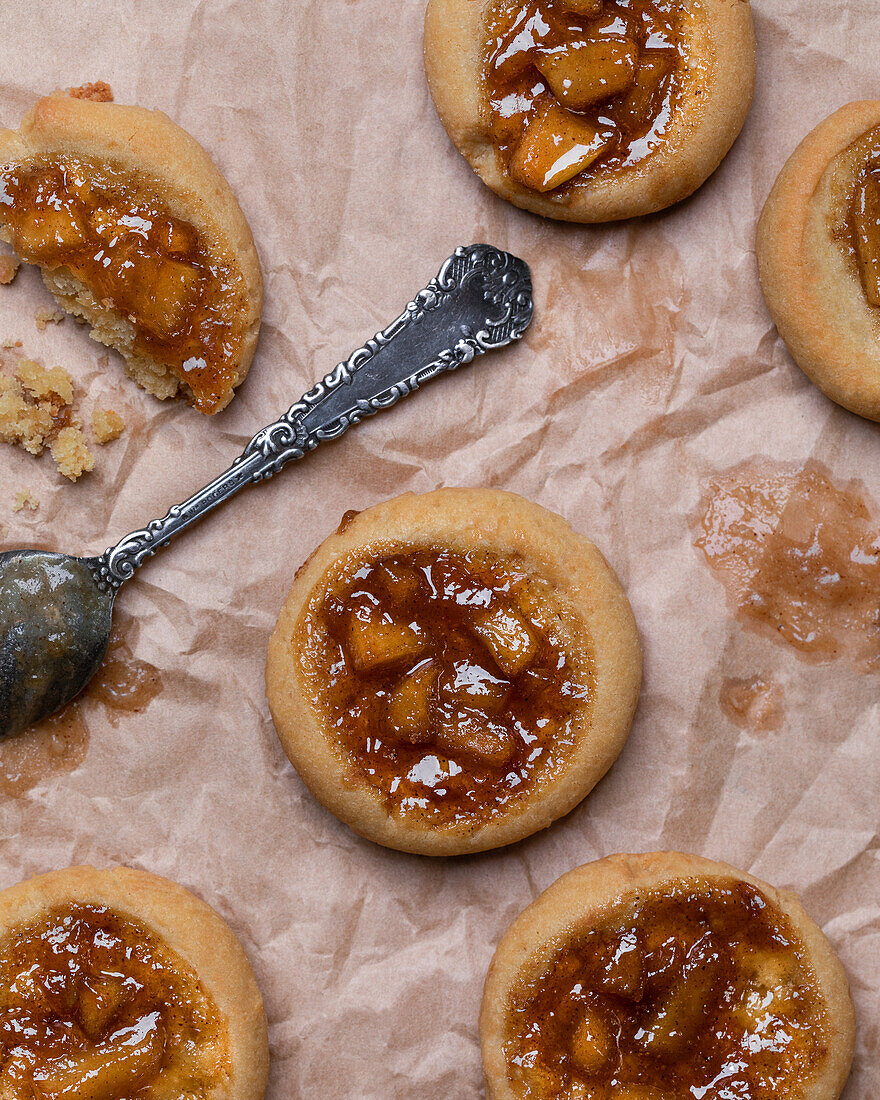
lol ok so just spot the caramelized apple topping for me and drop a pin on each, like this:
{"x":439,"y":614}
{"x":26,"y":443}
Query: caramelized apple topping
{"x":574,"y":85}
{"x":556,"y":146}
{"x":583,"y":73}
{"x":111,"y":233}
{"x":93,"y":1006}
{"x":866,"y":233}
{"x":449,"y":680}
{"x":677,"y":991}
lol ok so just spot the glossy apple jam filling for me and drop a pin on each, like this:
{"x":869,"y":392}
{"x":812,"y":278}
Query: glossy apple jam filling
{"x":93,"y":1006}
{"x":454,"y":683}
{"x":580,"y":86}
{"x":701,"y":992}
{"x":105,"y":227}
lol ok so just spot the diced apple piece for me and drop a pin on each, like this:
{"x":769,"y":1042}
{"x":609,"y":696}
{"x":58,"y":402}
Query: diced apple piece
{"x":109,"y":1071}
{"x":77,"y":185}
{"x":576,"y":1090}
{"x":399,"y":582}
{"x":45,"y":233}
{"x":587,"y":72}
{"x":867,"y":236}
{"x":674,"y":1024}
{"x":177,"y":288}
{"x":583,"y":7}
{"x":514,"y":50}
{"x":105,"y":221}
{"x":410,"y":704}
{"x":555,"y":147}
{"x":774,"y":973}
{"x":178,"y":237}
{"x":470,"y":685}
{"x":591,"y":1044}
{"x":508,"y":638}
{"x":160,"y":294}
{"x":374,"y":643}
{"x":99,"y":1000}
{"x":477,"y":737}
{"x":27,"y":991}
{"x":15,"y":1077}
{"x":543,"y":1084}
{"x":634,"y":109}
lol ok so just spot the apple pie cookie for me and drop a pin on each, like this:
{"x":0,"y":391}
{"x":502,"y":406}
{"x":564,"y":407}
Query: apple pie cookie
{"x":591,"y":110}
{"x":453,"y":671}
{"x":119,"y":985}
{"x":665,"y":977}
{"x":818,"y":252}
{"x":135,"y":230}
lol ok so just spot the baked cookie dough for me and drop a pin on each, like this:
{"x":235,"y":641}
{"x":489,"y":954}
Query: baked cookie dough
{"x":818,"y":250}
{"x":591,"y":110}
{"x":453,"y":671}
{"x":120,"y":984}
{"x":136,"y":231}
{"x":665,"y":977}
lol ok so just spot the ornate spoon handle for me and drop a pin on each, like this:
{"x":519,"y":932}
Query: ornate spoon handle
{"x":481,"y":299}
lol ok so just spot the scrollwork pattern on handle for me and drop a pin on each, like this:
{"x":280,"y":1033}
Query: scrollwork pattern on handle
{"x":504,"y":296}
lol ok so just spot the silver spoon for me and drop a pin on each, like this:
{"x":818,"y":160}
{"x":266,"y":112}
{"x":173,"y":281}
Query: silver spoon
{"x":56,"y":610}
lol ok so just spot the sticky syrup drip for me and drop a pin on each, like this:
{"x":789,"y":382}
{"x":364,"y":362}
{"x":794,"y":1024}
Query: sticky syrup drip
{"x":58,"y":745}
{"x":799,"y":557}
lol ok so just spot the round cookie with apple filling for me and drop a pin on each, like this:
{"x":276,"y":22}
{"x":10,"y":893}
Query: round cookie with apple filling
{"x":591,"y":110}
{"x":818,"y":251}
{"x":136,"y":231}
{"x":665,"y":977}
{"x":454,"y":671}
{"x":119,"y":985}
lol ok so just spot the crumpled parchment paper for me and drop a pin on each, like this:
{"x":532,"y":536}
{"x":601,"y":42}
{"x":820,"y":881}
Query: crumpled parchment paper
{"x":651,"y":365}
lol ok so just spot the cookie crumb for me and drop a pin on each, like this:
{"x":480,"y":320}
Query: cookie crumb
{"x":24,"y":498}
{"x":71,"y":453}
{"x":37,"y":411}
{"x":98,"y":92}
{"x":52,"y":384}
{"x":44,"y":317}
{"x":107,"y":425}
{"x":9,"y":266}
{"x":22,"y":422}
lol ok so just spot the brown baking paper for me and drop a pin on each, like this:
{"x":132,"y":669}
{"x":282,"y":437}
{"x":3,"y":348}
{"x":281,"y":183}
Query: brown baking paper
{"x":651,"y":366}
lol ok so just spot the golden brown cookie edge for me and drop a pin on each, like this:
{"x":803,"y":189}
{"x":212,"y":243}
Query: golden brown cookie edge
{"x":583,"y":894}
{"x":465,"y":517}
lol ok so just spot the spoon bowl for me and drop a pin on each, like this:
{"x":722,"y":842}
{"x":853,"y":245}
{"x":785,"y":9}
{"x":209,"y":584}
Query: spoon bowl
{"x":54,"y":629}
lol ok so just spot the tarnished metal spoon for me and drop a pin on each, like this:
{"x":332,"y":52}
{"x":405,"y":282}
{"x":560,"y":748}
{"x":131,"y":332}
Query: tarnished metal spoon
{"x":56,"y":610}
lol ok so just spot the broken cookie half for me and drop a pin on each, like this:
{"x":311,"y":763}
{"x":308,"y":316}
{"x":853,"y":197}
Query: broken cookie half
{"x":135,"y":231}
